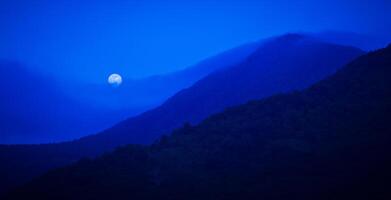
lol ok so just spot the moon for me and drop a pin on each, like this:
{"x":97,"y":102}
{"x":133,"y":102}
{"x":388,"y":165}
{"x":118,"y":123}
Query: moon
{"x":115,"y":80}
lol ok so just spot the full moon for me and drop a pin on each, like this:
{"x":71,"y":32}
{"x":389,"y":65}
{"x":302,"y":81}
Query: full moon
{"x":114,"y":80}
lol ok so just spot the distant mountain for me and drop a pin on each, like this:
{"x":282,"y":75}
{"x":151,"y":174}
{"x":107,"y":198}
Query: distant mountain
{"x":281,"y":64}
{"x":33,"y":109}
{"x":331,"y":141}
{"x":149,"y":92}
{"x":36,"y":109}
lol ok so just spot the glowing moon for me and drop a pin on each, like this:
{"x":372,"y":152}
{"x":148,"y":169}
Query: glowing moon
{"x":114,"y":79}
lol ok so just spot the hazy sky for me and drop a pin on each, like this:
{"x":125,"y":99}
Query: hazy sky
{"x":86,"y":40}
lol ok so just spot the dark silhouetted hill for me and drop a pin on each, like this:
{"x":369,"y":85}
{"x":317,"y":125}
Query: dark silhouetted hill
{"x":330,"y":141}
{"x":282,"y":64}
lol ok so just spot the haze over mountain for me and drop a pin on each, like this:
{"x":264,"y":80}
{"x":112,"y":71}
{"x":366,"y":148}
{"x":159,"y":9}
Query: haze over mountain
{"x":35,"y":110}
{"x":138,"y":95}
{"x":330,"y":141}
{"x":104,"y":105}
{"x":281,"y":64}
{"x":149,"y":92}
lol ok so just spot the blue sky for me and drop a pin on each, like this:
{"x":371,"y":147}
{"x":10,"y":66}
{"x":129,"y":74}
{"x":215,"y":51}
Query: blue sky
{"x":86,"y":40}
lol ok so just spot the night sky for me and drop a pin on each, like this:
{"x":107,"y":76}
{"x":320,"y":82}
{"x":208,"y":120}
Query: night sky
{"x":87,"y":40}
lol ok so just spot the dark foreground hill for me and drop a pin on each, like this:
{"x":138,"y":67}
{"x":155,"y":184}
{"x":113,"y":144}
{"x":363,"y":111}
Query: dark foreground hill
{"x":282,"y":64}
{"x":331,"y":141}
